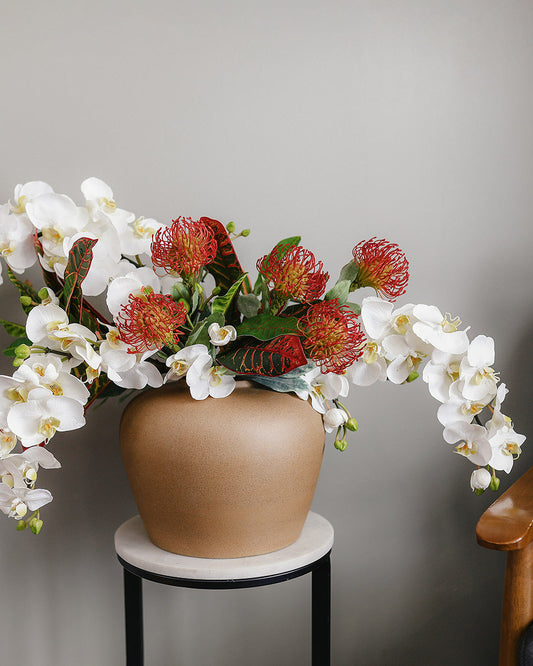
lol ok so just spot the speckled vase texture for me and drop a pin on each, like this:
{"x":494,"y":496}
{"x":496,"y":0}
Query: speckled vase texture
{"x":226,"y":477}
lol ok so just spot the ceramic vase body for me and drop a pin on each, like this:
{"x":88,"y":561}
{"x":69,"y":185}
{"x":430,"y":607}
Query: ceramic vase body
{"x":227,"y":477}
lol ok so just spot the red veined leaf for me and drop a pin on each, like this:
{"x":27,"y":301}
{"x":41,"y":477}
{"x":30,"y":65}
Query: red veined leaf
{"x":275,"y":357}
{"x":78,"y":264}
{"x":225,"y":268}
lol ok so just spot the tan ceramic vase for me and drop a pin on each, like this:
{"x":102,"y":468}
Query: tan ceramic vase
{"x":226,"y":477}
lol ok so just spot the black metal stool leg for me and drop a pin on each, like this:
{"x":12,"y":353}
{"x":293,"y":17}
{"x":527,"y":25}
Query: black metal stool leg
{"x":133,"y":604}
{"x":321,"y":612}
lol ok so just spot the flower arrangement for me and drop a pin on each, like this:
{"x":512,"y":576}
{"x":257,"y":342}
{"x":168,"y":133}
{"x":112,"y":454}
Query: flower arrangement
{"x":181,"y":308}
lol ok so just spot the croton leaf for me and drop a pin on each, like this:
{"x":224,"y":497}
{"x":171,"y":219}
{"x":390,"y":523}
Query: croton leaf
{"x":266,"y":326}
{"x":221,"y":303}
{"x":272,"y":358}
{"x":225,"y":267}
{"x":78,"y":264}
{"x":25,"y":289}
{"x":16,"y":330}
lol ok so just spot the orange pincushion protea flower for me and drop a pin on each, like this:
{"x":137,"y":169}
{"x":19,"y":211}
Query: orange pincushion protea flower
{"x":332,"y":335}
{"x":184,"y":248}
{"x":293,"y":274}
{"x":150,"y":321}
{"x":382,"y":266}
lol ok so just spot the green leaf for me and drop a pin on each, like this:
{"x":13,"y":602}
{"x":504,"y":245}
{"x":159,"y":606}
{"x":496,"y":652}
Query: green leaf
{"x":340,"y":291}
{"x":281,"y":248}
{"x":179,"y":290}
{"x":25,"y":289}
{"x":266,"y":326}
{"x":272,"y":358}
{"x":221,"y":303}
{"x":78,"y":264}
{"x":281,"y":384}
{"x":16,"y":330}
{"x":248,"y":304}
{"x":354,"y":307}
{"x":199,"y":334}
{"x":10,"y":351}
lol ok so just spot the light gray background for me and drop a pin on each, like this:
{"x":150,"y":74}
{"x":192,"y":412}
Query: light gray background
{"x":337,"y":120}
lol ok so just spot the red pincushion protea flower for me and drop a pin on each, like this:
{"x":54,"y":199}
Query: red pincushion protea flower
{"x":184,"y":248}
{"x":382,"y":266}
{"x":293,"y":274}
{"x":332,"y":335}
{"x":150,"y":321}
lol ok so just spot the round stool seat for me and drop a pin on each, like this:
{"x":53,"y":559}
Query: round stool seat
{"x":134,"y":547}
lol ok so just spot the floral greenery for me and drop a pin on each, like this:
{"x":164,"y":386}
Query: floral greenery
{"x":181,"y":307}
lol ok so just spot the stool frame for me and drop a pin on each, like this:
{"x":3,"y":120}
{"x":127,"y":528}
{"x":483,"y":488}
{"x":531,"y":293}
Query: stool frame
{"x":320,"y":600}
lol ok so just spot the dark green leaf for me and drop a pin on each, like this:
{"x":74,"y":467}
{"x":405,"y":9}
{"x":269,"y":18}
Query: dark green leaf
{"x":266,"y":326}
{"x":10,"y":351}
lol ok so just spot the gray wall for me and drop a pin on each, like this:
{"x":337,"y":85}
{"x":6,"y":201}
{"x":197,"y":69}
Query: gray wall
{"x":337,"y":120}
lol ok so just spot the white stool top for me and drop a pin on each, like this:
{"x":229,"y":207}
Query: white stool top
{"x":133,"y":545}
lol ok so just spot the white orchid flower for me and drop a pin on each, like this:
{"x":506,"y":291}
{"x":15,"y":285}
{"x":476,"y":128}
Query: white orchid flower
{"x":57,"y":217}
{"x":205,"y":380}
{"x":47,"y":370}
{"x":28,"y":192}
{"x":479,"y":380}
{"x":132,"y":283}
{"x":21,"y":468}
{"x":440,"y":373}
{"x":380,"y":319}
{"x":136,"y":237}
{"x":404,"y":353}
{"x":180,"y":362}
{"x":101,"y":204}
{"x":8,"y":441}
{"x":48,"y":325}
{"x":370,"y":368}
{"x":323,"y":387}
{"x":505,"y":442}
{"x":37,"y":419}
{"x":438,"y":331}
{"x":458,"y":408}
{"x":473,"y":441}
{"x":16,"y":240}
{"x":334,"y":418}
{"x":221,"y":335}
{"x":15,"y":502}
{"x":480,"y":479}
{"x":131,"y":371}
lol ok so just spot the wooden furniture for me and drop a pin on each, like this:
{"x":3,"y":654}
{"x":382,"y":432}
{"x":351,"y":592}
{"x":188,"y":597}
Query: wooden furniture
{"x":508,"y":525}
{"x":140,"y":559}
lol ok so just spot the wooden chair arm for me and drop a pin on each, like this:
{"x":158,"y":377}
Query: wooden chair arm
{"x":508,"y":523}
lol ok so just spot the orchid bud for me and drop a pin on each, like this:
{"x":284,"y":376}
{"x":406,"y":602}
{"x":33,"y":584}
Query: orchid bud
{"x":341,"y":444}
{"x":352,"y":424}
{"x":36,"y":525}
{"x":480,"y":479}
{"x":43,"y":293}
{"x":245,"y":232}
{"x":230,"y":226}
{"x":494,"y":483}
{"x":22,"y":351}
{"x":21,"y":525}
{"x":334,"y":417}
{"x":26,"y":300}
{"x":412,"y":376}
{"x":17,"y":362}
